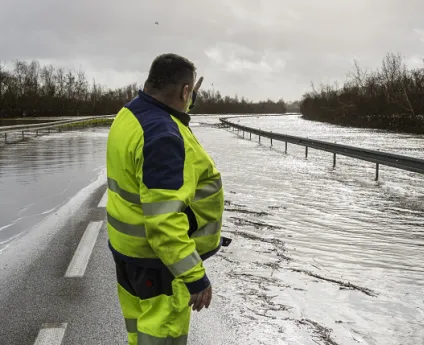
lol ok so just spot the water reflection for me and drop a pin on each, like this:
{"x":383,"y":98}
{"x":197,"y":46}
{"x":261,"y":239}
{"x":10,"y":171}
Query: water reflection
{"x":339,"y":224}
{"x":40,"y":175}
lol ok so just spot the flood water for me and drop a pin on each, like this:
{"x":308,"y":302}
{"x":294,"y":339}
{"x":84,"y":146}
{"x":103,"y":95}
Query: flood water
{"x":40,"y":175}
{"x":338,"y":224}
{"x":405,"y":144}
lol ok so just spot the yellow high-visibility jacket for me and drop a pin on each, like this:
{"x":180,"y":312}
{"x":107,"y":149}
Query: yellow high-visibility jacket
{"x":165,"y":195}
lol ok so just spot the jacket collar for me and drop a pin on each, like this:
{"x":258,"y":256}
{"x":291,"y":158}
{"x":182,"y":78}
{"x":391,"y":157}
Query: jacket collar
{"x":183,"y":117}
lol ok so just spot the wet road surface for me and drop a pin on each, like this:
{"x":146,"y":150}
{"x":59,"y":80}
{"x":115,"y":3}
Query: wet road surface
{"x":317,"y":254}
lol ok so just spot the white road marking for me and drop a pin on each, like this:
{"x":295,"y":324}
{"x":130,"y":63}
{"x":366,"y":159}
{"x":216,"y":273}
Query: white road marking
{"x":82,"y":255}
{"x":103,"y":202}
{"x":51,"y":334}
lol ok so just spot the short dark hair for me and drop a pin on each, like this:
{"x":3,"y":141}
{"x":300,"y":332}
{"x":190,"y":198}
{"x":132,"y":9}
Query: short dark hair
{"x":170,"y":69}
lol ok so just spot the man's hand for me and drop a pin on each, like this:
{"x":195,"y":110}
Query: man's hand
{"x":201,"y":299}
{"x":198,"y":85}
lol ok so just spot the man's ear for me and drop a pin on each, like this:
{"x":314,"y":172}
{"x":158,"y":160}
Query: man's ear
{"x":185,"y":93}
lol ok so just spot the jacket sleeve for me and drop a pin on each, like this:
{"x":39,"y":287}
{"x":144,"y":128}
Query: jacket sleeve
{"x":168,"y":183}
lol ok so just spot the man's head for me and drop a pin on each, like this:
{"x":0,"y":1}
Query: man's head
{"x":171,"y":80}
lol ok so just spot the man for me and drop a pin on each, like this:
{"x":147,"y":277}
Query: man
{"x":165,"y":205}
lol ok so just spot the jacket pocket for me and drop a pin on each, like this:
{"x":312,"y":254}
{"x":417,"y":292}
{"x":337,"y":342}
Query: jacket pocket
{"x":150,"y":282}
{"x":180,"y":295}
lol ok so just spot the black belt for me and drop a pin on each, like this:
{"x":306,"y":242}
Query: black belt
{"x":157,"y":263}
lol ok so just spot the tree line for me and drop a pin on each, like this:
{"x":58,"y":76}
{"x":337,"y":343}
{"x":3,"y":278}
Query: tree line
{"x":391,"y":97}
{"x":212,"y":102}
{"x":29,"y":89}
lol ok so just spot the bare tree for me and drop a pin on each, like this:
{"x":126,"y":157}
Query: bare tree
{"x":390,"y":98}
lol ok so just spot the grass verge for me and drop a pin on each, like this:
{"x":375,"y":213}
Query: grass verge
{"x":88,"y":123}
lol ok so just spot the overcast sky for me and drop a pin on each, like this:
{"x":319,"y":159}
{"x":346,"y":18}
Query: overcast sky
{"x":257,"y":49}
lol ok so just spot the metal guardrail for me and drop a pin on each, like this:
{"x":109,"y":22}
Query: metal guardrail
{"x":6,"y":130}
{"x":378,"y":157}
{"x":50,"y":123}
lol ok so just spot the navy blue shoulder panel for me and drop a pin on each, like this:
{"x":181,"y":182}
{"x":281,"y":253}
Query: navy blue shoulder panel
{"x":163,"y":151}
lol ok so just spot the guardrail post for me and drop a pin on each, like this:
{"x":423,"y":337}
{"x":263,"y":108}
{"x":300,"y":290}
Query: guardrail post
{"x":23,"y":135}
{"x":376,"y":157}
{"x":5,"y":138}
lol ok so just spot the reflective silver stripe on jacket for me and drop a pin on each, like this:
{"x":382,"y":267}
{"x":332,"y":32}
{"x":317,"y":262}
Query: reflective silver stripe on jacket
{"x":201,"y":193}
{"x":127,"y":196}
{"x":185,"y":264}
{"x":162,"y":207}
{"x":208,"y":229}
{"x":208,"y":190}
{"x":137,"y":230}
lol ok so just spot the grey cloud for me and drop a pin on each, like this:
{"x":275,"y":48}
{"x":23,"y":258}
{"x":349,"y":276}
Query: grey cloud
{"x":247,"y":47}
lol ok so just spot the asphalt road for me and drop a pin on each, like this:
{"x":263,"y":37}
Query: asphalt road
{"x":58,"y":286}
{"x":38,"y":302}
